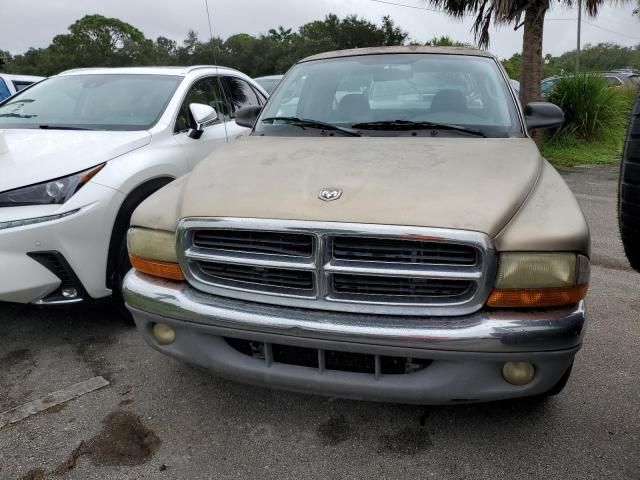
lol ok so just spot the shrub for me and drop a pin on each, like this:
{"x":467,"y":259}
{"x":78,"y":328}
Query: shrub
{"x":592,"y":110}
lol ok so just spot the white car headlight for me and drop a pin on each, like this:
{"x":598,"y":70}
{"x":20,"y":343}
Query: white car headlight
{"x":55,"y":191}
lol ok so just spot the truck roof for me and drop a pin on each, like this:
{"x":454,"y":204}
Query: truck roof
{"x":399,"y":50}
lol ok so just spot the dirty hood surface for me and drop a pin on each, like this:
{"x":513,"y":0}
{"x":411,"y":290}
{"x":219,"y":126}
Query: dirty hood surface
{"x":466,"y":183}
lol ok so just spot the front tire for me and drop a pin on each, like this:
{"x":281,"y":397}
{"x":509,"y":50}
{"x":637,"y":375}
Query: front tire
{"x":629,"y":191}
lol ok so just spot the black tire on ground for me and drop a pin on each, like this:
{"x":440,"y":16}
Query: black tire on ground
{"x":122,"y":268}
{"x":629,"y":191}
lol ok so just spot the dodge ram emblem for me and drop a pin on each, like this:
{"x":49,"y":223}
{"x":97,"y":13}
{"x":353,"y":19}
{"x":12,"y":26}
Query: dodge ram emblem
{"x":330,"y":194}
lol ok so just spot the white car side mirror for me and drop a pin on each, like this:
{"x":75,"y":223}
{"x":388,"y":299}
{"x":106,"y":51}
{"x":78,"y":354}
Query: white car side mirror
{"x":202,"y":114}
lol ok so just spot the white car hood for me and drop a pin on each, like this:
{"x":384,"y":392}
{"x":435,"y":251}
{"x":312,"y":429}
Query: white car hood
{"x":33,"y":156}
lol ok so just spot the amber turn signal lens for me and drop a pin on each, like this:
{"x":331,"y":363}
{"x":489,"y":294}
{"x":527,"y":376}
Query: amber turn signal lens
{"x":536,"y":297}
{"x":157,"y":268}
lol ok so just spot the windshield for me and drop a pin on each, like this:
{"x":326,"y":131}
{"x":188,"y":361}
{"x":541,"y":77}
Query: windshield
{"x":426,"y":89}
{"x":93,"y":102}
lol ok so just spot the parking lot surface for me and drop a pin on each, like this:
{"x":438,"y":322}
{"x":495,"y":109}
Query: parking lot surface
{"x":161,"y":419}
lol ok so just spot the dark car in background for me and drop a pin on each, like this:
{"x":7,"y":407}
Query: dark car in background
{"x":614,"y":78}
{"x":11,"y":84}
{"x":269,"y":82}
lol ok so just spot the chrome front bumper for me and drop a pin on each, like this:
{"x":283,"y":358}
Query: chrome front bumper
{"x":467,"y":352}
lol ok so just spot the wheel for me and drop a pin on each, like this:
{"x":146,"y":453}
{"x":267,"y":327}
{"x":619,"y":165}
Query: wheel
{"x":629,"y":191}
{"x":118,"y":264}
{"x":123,"y":266}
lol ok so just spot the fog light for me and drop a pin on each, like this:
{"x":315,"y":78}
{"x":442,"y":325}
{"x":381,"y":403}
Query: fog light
{"x":69,"y":292}
{"x":518,"y":373}
{"x":163,"y":334}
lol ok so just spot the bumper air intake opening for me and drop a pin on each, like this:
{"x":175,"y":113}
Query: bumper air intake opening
{"x":328,"y":359}
{"x":70,"y":289}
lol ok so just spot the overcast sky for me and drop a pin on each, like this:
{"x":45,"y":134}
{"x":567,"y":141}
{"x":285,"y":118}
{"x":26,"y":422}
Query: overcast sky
{"x":34,"y":23}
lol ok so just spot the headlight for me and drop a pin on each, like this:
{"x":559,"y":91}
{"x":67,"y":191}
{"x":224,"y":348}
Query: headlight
{"x":154,"y":252}
{"x":55,"y":191}
{"x":540,"y":280}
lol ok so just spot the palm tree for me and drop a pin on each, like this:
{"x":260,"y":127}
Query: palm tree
{"x":505,"y":12}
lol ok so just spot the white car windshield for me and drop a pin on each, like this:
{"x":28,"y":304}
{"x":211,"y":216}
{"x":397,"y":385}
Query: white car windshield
{"x":394,"y":91}
{"x":91,"y":102}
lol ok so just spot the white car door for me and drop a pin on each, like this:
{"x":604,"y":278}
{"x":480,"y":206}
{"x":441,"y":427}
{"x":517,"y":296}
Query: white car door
{"x":205,"y":91}
{"x":241,"y":94}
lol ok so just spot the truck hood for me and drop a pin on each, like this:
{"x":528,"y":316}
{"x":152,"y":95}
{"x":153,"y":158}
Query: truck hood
{"x":33,"y":156}
{"x":463,"y":183}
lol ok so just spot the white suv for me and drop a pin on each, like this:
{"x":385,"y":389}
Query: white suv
{"x":78,"y":153}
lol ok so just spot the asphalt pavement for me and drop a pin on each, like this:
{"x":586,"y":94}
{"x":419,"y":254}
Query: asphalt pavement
{"x":160,"y":419}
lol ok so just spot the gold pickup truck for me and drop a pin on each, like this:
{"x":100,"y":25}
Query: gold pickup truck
{"x":388,"y":231}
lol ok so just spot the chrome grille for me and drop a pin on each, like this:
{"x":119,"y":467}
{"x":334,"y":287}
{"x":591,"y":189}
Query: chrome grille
{"x":402,"y":251}
{"x":266,"y":243}
{"x":414,"y":290}
{"x":339,"y":266}
{"x":257,"y":277}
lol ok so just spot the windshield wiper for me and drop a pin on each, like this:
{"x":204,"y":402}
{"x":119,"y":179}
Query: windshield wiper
{"x":16,"y":115}
{"x":410,"y":125}
{"x":61,"y":127}
{"x":25,"y":100}
{"x":305,"y":122}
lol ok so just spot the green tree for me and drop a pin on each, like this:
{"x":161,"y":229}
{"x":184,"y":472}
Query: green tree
{"x":188,"y":48}
{"x":445,"y":41}
{"x":600,"y":57}
{"x":5,"y":58}
{"x":33,"y":62}
{"x":593,"y":58}
{"x":513,"y":66}
{"x":392,"y":34}
{"x":350,"y":32}
{"x":635,"y":57}
{"x":165,"y":51}
{"x":95,"y":40}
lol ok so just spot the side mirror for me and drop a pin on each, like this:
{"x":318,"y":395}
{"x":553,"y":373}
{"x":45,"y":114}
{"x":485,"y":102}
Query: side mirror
{"x":543,"y":115}
{"x":247,"y":116}
{"x":202,"y":114}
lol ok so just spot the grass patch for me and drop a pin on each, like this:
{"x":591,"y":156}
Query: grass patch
{"x":568,"y":151}
{"x":604,"y":144}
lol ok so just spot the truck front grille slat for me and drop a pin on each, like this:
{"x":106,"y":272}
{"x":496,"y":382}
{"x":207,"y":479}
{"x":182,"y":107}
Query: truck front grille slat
{"x":355,"y":268}
{"x":402,"y":251}
{"x":394,"y":286}
{"x":241,"y":241}
{"x":272,"y":277}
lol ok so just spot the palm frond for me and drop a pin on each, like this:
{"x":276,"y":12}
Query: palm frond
{"x":506,"y":11}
